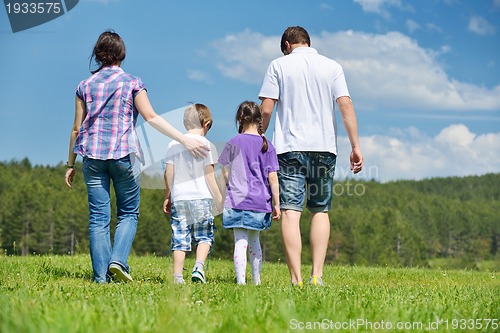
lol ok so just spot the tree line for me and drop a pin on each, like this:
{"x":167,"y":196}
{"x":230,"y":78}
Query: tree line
{"x":400,"y":223}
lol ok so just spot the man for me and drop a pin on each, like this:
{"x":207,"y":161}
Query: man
{"x":304,"y":86}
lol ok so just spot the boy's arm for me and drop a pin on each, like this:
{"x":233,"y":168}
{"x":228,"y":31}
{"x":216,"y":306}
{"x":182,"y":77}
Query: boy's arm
{"x":212,"y":186}
{"x":168,"y":177}
{"x":275,"y":191}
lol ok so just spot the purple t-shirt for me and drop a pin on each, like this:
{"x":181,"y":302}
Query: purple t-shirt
{"x":248,"y":184}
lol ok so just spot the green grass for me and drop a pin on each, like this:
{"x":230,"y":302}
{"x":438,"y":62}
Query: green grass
{"x":55,"y":294}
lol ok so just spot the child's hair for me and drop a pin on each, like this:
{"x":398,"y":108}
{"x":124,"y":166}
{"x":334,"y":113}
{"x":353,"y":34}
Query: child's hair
{"x":249,"y":113}
{"x":197,"y":115}
{"x":108,"y":50}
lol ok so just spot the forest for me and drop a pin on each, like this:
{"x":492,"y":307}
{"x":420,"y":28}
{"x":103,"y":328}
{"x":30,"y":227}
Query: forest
{"x":399,"y":223}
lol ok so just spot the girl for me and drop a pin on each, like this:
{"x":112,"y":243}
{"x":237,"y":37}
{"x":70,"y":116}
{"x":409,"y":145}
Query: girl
{"x":106,"y":108}
{"x":249,"y":167}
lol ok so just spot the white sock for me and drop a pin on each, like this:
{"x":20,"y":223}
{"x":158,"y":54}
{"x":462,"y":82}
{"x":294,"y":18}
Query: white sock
{"x":240,"y":254}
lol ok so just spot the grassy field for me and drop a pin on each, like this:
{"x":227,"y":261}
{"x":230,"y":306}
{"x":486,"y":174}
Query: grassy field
{"x":55,"y":294}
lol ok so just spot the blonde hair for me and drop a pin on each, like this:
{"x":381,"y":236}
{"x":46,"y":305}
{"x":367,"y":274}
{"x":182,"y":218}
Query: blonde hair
{"x":196,"y":116}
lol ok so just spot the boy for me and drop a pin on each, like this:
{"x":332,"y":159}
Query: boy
{"x":190,"y":191}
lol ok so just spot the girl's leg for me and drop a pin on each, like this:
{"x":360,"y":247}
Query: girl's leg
{"x":255,"y":255}
{"x":240,"y":254}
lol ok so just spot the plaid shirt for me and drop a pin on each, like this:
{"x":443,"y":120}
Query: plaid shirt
{"x":108,"y":129}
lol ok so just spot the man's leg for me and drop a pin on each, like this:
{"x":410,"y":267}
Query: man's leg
{"x":320,"y":235}
{"x":292,"y":242}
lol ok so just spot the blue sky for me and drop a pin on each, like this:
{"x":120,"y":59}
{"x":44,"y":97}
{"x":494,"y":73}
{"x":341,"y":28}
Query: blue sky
{"x":424,"y":76}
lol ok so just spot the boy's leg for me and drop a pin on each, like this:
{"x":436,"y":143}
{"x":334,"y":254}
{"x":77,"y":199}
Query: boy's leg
{"x":202,"y":251}
{"x":203,"y":234}
{"x":179,"y":257}
{"x":240,"y":254}
{"x":181,"y":239}
{"x":255,"y":255}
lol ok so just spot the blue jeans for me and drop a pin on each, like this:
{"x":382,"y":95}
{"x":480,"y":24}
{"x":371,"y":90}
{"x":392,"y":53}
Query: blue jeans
{"x":98,"y":175}
{"x":306,"y":174}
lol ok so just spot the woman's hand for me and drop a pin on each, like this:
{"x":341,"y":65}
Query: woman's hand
{"x":69,"y":177}
{"x":195,"y":147}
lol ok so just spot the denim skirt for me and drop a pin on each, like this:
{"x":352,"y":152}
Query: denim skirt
{"x":245,"y":219}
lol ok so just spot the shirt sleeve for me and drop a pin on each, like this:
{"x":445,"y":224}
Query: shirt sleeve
{"x":139,"y":86}
{"x":80,"y":90}
{"x":340,"y":85}
{"x":211,"y":158}
{"x":270,"y":87}
{"x":272,"y":159}
{"x":224,"y":157}
{"x":169,"y":158}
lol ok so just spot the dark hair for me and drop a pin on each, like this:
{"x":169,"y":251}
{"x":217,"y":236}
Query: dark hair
{"x":249,"y":113}
{"x":108,"y":50}
{"x":295,"y":35}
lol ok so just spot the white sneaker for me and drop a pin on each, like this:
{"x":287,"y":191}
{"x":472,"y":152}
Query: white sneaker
{"x":198,"y":276}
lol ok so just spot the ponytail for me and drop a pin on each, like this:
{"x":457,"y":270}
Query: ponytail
{"x":265,"y":145}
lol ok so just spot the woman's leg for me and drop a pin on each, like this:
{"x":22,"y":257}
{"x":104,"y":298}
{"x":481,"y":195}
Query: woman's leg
{"x":126,"y":181}
{"x":98,"y":184}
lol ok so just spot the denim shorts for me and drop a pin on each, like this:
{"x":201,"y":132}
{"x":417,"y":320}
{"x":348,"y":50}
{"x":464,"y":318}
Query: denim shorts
{"x":191,"y":219}
{"x":246,"y":219}
{"x":306,"y":175}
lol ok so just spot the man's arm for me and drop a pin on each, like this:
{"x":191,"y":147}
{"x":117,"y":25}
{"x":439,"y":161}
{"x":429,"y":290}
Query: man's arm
{"x":266,"y":108}
{"x":351,"y":126}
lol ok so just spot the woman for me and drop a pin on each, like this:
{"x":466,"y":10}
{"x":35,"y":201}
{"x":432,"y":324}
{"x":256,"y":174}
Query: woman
{"x":107,"y":105}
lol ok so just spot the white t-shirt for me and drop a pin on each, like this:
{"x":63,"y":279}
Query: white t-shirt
{"x":306,"y":86}
{"x":189,"y":171}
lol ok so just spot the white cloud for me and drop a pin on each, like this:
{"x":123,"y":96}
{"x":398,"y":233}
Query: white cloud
{"x":200,"y":76}
{"x":412,"y":26}
{"x":246,"y":55}
{"x":481,"y":26}
{"x":455,"y":151}
{"x":389,"y":71}
{"x":379,"y":6}
{"x":496,"y":3}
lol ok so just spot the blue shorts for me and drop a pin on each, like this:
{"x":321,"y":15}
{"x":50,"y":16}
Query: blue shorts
{"x":191,"y":219}
{"x":306,"y":175}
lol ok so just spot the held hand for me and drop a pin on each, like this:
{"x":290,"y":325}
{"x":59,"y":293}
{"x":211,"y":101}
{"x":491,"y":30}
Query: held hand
{"x":356,"y":160}
{"x":219,"y":205}
{"x":167,"y":204}
{"x":195,"y":147}
{"x":276,"y":212}
{"x":69,"y":177}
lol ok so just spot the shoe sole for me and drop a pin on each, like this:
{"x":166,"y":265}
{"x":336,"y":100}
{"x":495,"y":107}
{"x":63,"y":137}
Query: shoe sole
{"x":119,"y":274}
